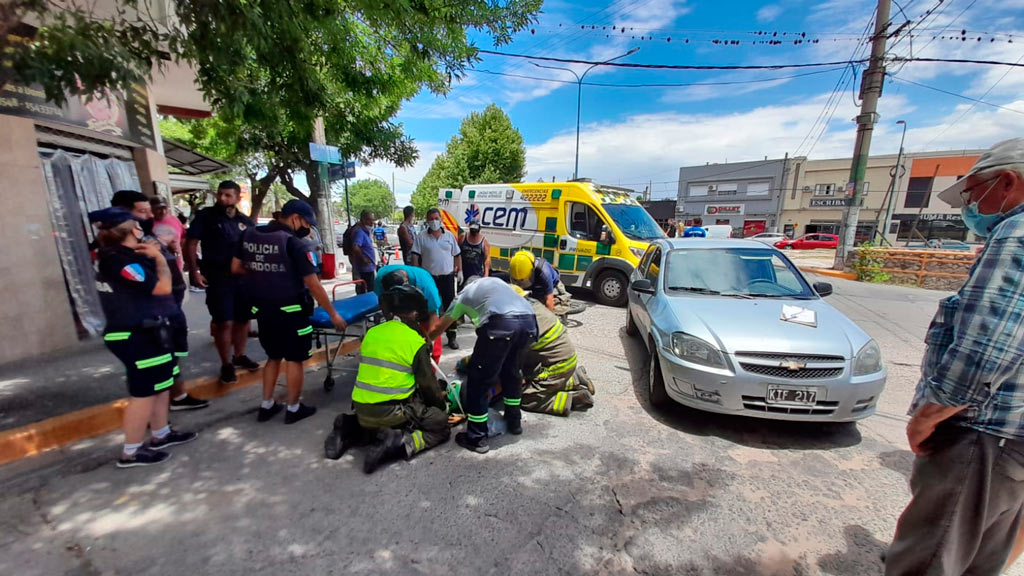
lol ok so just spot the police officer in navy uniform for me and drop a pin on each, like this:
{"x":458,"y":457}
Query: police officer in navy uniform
{"x":139,"y":312}
{"x":219,"y":228}
{"x":278,"y":271}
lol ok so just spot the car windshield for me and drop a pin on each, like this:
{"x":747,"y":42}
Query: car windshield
{"x":634,"y":221}
{"x":734,"y":272}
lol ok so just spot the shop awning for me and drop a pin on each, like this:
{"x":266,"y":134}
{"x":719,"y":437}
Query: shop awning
{"x":187,"y":161}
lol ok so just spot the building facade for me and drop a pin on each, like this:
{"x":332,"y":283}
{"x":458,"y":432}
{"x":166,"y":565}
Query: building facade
{"x":744,"y":195}
{"x":58,"y":163}
{"x":906,"y":197}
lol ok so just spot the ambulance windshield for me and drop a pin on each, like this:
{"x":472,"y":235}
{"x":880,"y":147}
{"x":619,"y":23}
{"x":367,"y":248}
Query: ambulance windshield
{"x":634,"y":221}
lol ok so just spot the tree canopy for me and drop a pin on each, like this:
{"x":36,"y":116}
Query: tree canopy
{"x":268,"y":68}
{"x":488,"y":149}
{"x":373,"y":195}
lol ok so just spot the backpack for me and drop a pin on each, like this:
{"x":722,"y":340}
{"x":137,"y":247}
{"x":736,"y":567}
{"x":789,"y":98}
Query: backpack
{"x":346,"y":241}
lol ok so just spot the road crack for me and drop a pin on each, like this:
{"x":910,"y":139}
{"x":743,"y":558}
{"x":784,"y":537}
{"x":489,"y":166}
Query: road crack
{"x":618,"y":502}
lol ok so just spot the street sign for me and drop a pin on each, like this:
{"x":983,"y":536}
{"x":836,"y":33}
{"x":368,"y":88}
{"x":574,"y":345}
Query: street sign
{"x":324,"y":153}
{"x":341,"y":171}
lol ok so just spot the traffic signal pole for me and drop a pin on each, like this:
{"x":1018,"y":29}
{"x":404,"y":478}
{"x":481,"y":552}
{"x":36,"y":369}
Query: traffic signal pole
{"x":327,"y":239}
{"x":871,"y":91}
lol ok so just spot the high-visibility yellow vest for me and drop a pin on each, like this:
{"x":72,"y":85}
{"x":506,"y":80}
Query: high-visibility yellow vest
{"x":385,"y":370}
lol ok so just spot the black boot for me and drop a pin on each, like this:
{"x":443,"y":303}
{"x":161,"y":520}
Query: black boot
{"x":389,"y":446}
{"x":581,"y":401}
{"x":452,"y":343}
{"x":344,"y":435}
{"x":514,"y":420}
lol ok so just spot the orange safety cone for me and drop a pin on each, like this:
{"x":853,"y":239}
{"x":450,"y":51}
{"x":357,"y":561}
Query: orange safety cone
{"x":397,"y":255}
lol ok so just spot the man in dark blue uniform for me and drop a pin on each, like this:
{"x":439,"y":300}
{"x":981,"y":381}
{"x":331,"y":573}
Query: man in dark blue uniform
{"x":219,"y":228}
{"x":278,"y":271}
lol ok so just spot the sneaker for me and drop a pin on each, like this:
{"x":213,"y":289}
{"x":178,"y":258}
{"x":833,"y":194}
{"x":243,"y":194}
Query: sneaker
{"x":188,"y":403}
{"x":245,"y":363}
{"x":227,"y":374}
{"x":268,"y":413}
{"x":196,"y":289}
{"x":479,"y":446}
{"x":300,"y":414}
{"x":174,"y":438}
{"x":452,"y":343}
{"x":143,"y":457}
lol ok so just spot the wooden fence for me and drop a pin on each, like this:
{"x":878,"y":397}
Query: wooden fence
{"x":934,"y":269}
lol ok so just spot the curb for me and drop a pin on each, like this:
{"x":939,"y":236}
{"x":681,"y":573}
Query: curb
{"x":58,"y":431}
{"x":829,"y":272}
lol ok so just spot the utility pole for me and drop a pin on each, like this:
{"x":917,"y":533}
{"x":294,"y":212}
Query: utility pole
{"x":782,"y":193}
{"x":871,"y":91}
{"x":324,"y":204}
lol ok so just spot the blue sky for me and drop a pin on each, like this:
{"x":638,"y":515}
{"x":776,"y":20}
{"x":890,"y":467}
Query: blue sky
{"x":631,"y":136}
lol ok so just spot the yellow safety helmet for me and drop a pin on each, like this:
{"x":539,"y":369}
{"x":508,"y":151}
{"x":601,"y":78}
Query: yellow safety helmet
{"x":521,"y":266}
{"x":519,"y":290}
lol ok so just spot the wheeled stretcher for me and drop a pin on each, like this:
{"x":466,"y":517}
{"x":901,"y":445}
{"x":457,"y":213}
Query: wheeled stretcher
{"x":359,"y":312}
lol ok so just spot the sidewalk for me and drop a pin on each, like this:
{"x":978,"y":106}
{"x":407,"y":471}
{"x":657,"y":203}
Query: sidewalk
{"x":88,"y":375}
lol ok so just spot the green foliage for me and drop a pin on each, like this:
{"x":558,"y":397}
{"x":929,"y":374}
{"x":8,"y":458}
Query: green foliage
{"x":373,"y":195}
{"x":487,"y":150}
{"x":868,"y":264}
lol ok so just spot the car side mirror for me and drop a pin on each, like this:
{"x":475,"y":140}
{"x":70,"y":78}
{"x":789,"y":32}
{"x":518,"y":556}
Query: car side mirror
{"x":606,"y":236}
{"x":643,"y":286}
{"x":823,"y":289}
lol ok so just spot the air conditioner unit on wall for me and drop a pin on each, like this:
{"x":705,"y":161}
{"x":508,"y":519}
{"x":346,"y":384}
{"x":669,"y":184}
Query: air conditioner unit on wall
{"x":806,"y":188}
{"x":712,"y":187}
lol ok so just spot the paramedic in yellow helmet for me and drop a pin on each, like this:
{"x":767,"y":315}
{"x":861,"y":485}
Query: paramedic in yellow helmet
{"x":554,"y":381}
{"x":540,"y":279}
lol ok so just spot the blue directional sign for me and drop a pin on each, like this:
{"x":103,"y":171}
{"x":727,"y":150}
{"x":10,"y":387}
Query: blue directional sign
{"x":342,"y":171}
{"x":324,"y":153}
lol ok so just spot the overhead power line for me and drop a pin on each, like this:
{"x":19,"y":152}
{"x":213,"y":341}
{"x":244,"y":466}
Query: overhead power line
{"x":975,"y":100}
{"x":657,"y":85}
{"x":742,"y":67}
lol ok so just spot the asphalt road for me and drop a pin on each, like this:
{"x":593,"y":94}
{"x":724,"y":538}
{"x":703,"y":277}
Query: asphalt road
{"x":621,"y":489}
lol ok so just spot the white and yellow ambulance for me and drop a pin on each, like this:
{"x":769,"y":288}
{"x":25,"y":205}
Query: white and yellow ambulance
{"x":593,"y":234}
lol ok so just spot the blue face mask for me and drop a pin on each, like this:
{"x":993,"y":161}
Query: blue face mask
{"x":981,"y":224}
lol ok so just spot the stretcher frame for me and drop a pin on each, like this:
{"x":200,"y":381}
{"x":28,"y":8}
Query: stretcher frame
{"x":331,"y":355}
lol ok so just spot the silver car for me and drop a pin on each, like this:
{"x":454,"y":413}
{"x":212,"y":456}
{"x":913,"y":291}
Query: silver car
{"x":733,"y":327}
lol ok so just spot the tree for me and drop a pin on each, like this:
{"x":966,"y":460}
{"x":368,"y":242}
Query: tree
{"x":373,"y":195}
{"x":269,"y":68}
{"x":487,"y":150}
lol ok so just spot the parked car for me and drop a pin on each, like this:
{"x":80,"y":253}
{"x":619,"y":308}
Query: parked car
{"x":769,"y":238}
{"x":941,"y":244}
{"x":809,"y":242}
{"x":718,"y":231}
{"x":733,"y":327}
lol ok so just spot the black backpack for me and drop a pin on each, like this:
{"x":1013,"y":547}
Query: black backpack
{"x":346,"y":241}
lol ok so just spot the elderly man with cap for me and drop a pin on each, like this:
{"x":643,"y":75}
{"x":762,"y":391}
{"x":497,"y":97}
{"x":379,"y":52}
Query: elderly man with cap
{"x":967,"y":422}
{"x":278,"y":271}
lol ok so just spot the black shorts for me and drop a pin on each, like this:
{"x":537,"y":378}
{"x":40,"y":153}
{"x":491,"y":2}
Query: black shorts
{"x":285,"y":331}
{"x":179,"y":341}
{"x":225,"y":301}
{"x":148,"y":358}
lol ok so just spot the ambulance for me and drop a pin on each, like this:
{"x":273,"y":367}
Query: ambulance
{"x":593,"y":234}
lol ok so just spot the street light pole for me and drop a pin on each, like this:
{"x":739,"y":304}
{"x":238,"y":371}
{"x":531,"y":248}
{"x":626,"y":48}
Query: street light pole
{"x":579,"y":97}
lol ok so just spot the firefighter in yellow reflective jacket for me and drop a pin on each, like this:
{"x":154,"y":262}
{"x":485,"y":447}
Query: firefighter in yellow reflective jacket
{"x":396,"y":392}
{"x":555,"y":381}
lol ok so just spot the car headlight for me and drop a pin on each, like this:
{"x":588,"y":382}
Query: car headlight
{"x":638,"y":252}
{"x":697,"y":351}
{"x":868,"y":360}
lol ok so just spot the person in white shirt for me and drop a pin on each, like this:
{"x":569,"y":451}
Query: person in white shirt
{"x":506,"y":325}
{"x":436,"y":250}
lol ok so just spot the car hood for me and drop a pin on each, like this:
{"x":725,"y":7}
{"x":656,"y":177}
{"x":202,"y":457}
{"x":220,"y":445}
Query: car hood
{"x":755,"y":325}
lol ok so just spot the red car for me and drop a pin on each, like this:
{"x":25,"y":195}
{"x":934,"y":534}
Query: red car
{"x":809,"y":242}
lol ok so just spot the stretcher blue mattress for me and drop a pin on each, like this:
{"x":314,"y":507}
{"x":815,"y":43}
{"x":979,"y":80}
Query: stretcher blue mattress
{"x":351,"y":309}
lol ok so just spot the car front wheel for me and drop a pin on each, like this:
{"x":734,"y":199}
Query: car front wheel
{"x":656,"y":382}
{"x":611,"y":288}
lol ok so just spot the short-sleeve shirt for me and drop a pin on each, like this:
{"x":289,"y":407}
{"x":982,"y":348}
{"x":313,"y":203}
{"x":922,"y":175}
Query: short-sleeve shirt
{"x":437,"y":255}
{"x":545,"y":278}
{"x":168,"y":230}
{"x":419,"y":278}
{"x":220,"y":236}
{"x":380,"y":234}
{"x":131,"y":278}
{"x":361,"y":238}
{"x":302,"y":262}
{"x":488,"y":297}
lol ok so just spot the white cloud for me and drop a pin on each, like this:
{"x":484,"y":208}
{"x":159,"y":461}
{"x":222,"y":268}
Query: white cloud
{"x":769,"y":12}
{"x":406,"y":179}
{"x":631,"y":151}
